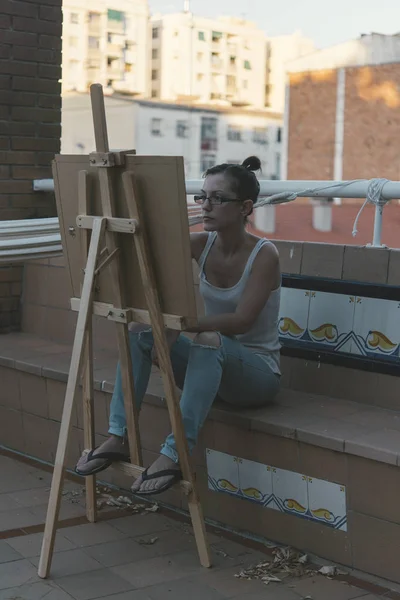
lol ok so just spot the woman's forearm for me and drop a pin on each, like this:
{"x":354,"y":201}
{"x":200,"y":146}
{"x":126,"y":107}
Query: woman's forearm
{"x":227,"y":324}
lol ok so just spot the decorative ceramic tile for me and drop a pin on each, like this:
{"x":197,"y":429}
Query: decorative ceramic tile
{"x":223,"y":472}
{"x":290,"y":492}
{"x":327,"y":503}
{"x":255,"y":481}
{"x":293,"y":315}
{"x":330,"y":320}
{"x":377,"y":327}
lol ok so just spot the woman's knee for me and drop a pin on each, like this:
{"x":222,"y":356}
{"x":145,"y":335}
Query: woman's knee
{"x":208,"y":338}
{"x":138,"y":327}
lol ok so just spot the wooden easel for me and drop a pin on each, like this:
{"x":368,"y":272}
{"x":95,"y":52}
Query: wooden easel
{"x":109,"y":227}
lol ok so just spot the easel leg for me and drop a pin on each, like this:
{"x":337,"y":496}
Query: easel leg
{"x":164,"y":359}
{"x":88,"y":421}
{"x":87,"y":391}
{"x":195,"y":509}
{"x":75,"y":368}
{"x":131,"y":412}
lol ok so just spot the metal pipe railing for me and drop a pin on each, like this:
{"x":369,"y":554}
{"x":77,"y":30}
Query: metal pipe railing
{"x":298,"y":189}
{"x":303,"y":189}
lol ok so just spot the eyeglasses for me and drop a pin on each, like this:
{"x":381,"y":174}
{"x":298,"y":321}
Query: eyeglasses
{"x":214,"y":199}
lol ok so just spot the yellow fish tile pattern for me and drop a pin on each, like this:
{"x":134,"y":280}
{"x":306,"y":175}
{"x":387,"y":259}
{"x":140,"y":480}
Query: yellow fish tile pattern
{"x":330,"y":334}
{"x":290,"y":505}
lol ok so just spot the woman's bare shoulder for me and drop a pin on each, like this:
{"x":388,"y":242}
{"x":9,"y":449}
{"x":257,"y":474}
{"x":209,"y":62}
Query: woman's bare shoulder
{"x":198,"y":241}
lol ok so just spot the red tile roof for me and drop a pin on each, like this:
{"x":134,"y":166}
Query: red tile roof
{"x":294,"y":222}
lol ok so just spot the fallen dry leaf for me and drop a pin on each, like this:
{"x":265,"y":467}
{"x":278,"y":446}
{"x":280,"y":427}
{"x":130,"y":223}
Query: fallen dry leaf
{"x":286,"y":563}
{"x":148,"y":542}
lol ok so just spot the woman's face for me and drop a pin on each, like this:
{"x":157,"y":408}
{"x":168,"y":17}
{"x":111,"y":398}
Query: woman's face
{"x":222,"y":216}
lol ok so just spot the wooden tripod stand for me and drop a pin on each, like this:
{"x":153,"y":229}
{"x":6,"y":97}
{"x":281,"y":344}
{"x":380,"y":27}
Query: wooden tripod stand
{"x":114,"y":180}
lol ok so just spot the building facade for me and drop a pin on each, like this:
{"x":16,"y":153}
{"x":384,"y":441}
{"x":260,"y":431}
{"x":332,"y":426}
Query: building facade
{"x":342,"y":118}
{"x":203,"y":135}
{"x":208,"y":60}
{"x":106,"y":42}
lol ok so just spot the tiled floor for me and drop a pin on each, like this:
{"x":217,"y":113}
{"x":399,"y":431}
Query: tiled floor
{"x":136,"y":557}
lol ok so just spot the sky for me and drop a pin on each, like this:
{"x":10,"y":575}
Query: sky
{"x":326,"y":22}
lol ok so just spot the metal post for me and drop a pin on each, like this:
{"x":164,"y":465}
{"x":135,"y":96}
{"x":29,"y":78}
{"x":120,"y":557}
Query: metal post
{"x":378,"y":225}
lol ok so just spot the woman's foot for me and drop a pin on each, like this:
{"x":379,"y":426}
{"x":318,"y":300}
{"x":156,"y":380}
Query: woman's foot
{"x":156,"y":484}
{"x":114,"y":446}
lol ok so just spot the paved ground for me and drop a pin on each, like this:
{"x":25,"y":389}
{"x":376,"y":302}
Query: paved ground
{"x":137,"y":557}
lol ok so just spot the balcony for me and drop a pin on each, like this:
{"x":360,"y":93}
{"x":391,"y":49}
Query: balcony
{"x":333,"y":429}
{"x":114,"y":49}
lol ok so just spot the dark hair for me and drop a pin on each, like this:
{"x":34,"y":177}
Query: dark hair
{"x":243,"y":178}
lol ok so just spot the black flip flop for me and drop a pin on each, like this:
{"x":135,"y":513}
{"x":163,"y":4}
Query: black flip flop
{"x":176,"y":476}
{"x":110,"y":457}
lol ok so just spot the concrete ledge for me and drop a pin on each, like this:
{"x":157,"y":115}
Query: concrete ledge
{"x":332,"y":423}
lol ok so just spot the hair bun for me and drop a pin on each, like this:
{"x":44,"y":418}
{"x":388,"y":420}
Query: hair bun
{"x":252,"y":163}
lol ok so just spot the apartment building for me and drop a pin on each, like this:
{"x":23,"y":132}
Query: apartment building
{"x":202,"y":60}
{"x":106,"y":42}
{"x":203,"y":135}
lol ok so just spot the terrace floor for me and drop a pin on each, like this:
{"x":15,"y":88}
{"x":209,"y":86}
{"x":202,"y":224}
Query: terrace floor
{"x":138,"y":553}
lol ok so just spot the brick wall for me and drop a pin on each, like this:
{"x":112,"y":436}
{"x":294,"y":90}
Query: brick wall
{"x":372,"y":122}
{"x":30,"y":121}
{"x":312,"y":125}
{"x":371,"y":145}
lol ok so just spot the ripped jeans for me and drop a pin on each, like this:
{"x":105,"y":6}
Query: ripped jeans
{"x":230,"y":372}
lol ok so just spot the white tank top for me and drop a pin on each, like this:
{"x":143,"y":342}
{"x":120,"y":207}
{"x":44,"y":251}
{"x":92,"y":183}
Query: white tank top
{"x":263,"y":337}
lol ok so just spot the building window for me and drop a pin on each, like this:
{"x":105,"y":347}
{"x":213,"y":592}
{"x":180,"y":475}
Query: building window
{"x":216,"y":36}
{"x":73,"y":42}
{"x":115,"y":15}
{"x":109,"y":38}
{"x":202,"y":36}
{"x":209,"y":136}
{"x":74,"y":18}
{"x":260,"y":135}
{"x":128,"y":67}
{"x":155,"y":33}
{"x":94,"y":18}
{"x":207,"y":161}
{"x":278,"y":165}
{"x":155,"y":127}
{"x":94,"y":42}
{"x":181,"y":129}
{"x":154,"y":53}
{"x":200,"y":77}
{"x":154,"y":93}
{"x":279,"y":134}
{"x":234,"y":133}
{"x":200,"y":56}
{"x":247,"y":65}
{"x":154,"y":74}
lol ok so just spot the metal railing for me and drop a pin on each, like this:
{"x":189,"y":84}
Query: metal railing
{"x":40,"y":238}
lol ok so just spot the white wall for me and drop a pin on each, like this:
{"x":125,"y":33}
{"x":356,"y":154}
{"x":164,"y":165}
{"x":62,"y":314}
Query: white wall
{"x":130,"y":125}
{"x":282,"y":50}
{"x":239,"y":150}
{"x":77,"y":124}
{"x":367,"y":50}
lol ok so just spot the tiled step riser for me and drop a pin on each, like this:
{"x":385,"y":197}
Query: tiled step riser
{"x":356,"y":385}
{"x":304,"y":478}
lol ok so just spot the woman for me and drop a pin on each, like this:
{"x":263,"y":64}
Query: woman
{"x":235,"y":354}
